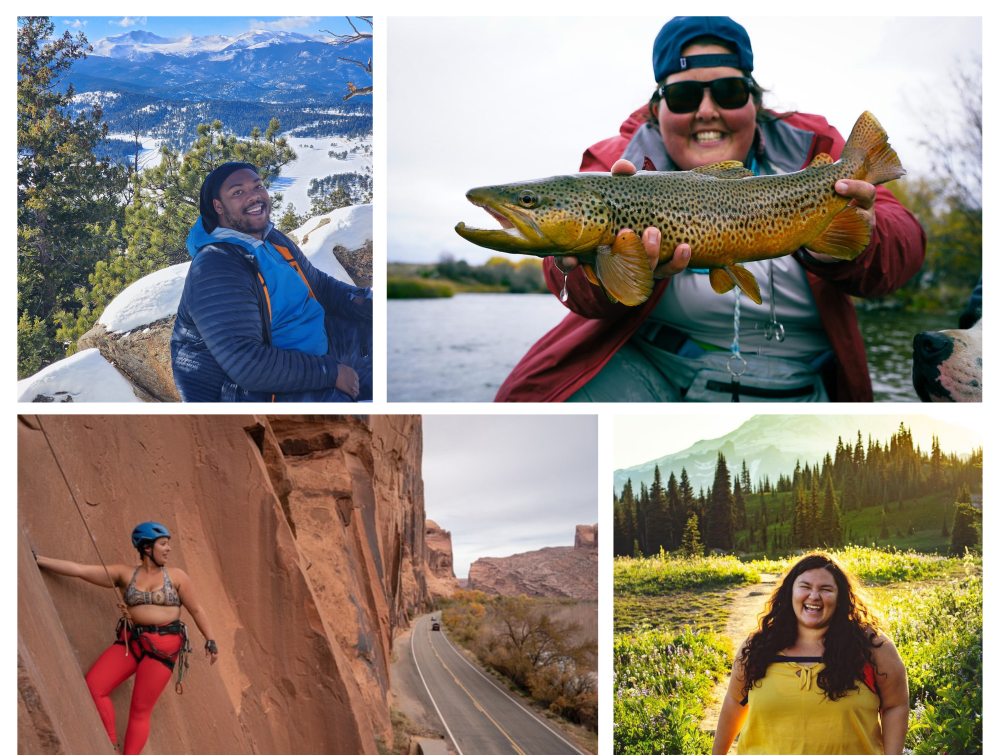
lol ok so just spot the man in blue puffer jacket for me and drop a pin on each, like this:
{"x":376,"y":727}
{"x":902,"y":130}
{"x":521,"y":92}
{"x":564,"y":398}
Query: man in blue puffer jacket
{"x":256,"y":321}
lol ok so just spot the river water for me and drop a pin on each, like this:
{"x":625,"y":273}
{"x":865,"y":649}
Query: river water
{"x":462,"y":348}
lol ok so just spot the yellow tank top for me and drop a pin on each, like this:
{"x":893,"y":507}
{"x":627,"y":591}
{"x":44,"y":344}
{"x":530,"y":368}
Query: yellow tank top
{"x":788,"y":714}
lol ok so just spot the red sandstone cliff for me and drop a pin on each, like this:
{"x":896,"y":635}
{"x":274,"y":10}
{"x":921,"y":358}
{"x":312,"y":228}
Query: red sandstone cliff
{"x":441,"y":581}
{"x":561,"y":572}
{"x":303,"y":535}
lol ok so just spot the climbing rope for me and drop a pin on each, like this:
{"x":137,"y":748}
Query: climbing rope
{"x":122,"y":607}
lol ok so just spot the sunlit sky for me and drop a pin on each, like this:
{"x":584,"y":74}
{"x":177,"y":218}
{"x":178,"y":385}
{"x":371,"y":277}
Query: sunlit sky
{"x":509,"y":484}
{"x":639,"y":439}
{"x":485,"y":100}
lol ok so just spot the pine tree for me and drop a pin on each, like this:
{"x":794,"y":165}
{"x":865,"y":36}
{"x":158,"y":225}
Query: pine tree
{"x":832,"y":524}
{"x":801,"y":534}
{"x":657,"y":518}
{"x":745,"y":480}
{"x":674,"y":512}
{"x":687,"y":507}
{"x":68,"y":212}
{"x":720,"y":509}
{"x":739,"y":506}
{"x":691,"y":544}
{"x":763,"y":521}
{"x":814,"y":513}
{"x":964,"y":533}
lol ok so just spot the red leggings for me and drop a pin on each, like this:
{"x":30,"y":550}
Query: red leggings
{"x":151,"y":676}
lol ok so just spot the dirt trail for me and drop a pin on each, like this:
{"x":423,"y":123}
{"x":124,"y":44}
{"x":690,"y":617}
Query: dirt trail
{"x":748,"y":603}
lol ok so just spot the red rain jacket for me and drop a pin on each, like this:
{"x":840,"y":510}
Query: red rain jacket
{"x":574,"y":351}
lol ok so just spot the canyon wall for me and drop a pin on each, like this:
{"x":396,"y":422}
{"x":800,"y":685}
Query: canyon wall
{"x":304,"y":536}
{"x":441,"y":581}
{"x":559,"y":572}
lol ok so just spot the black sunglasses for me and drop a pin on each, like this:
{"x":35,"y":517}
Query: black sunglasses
{"x":685,"y":96}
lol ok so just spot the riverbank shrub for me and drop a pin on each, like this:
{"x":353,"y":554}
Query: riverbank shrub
{"x":416,"y":288}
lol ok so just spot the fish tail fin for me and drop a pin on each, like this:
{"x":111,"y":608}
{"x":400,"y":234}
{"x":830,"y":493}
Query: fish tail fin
{"x":746,"y":282}
{"x":868,"y":145}
{"x":623,"y":269}
{"x":722,"y":282}
{"x":845,"y":237}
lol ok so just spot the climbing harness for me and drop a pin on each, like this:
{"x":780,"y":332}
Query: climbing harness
{"x":139,"y":634}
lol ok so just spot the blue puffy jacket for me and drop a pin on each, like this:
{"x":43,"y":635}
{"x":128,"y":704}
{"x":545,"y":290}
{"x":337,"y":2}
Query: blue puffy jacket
{"x":221,"y":343}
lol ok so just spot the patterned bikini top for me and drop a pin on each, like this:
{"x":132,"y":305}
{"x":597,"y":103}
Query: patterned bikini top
{"x":165,"y":596}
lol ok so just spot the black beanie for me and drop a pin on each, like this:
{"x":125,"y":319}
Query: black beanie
{"x":210,"y":190}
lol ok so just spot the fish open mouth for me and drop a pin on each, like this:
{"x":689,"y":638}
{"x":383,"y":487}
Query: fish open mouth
{"x":518,"y":231}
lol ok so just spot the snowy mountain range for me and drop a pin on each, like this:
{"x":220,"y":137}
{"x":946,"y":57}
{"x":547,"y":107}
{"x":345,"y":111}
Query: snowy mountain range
{"x":771,"y":444}
{"x":135,"y":44}
{"x":269,"y":60}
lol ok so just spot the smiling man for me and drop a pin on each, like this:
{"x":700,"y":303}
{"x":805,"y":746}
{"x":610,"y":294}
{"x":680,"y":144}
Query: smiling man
{"x":256,"y":321}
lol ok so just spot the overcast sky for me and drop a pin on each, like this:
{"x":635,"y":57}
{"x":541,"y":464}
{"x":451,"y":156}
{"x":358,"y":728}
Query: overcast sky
{"x":482,"y":101}
{"x":509,"y":484}
{"x":639,"y":439}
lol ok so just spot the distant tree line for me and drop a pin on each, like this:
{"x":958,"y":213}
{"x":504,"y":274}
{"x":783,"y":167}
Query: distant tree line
{"x":176,"y":121}
{"x":672,"y":517}
{"x":521,"y":277}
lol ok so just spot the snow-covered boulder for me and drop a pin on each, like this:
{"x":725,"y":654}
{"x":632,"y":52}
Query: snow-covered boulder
{"x":340,"y":243}
{"x":85,"y":376}
{"x":133,"y":332}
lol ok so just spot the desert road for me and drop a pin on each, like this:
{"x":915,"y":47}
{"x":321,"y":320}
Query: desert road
{"x":479,"y":717}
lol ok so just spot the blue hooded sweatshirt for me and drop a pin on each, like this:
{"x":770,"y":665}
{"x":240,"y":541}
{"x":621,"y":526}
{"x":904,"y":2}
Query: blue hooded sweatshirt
{"x":296,"y":317}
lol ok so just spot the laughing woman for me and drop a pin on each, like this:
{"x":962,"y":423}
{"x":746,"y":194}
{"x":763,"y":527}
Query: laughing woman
{"x":818,"y":676}
{"x":152,"y":645}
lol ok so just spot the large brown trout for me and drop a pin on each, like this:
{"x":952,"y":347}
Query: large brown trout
{"x":727,"y":215}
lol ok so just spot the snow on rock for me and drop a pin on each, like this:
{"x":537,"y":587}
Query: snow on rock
{"x":148,"y":299}
{"x":85,"y":376}
{"x":349,"y":228}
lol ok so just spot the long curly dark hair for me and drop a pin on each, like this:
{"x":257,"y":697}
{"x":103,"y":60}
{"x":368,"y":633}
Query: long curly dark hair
{"x":850,"y":637}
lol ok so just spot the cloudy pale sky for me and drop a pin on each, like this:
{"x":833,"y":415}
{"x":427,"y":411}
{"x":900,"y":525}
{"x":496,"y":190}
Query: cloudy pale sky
{"x":485,"y":100}
{"x":509,"y":484}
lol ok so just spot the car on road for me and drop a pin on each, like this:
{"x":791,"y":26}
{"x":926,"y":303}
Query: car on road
{"x":435,"y":627}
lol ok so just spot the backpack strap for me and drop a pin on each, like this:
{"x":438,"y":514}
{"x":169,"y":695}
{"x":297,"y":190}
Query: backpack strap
{"x":283,"y":250}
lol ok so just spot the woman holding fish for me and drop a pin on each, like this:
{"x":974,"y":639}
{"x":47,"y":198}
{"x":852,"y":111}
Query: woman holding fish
{"x":742,"y":200}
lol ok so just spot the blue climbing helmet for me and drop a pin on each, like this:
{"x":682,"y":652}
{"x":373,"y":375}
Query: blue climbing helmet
{"x":148,"y":532}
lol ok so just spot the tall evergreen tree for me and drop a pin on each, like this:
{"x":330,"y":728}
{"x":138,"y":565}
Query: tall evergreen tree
{"x":688,"y":503}
{"x":801,"y":533}
{"x":691,"y":543}
{"x":832,"y":525}
{"x":739,"y":506}
{"x":68,"y":211}
{"x":657,"y":518}
{"x":763,"y":521}
{"x":745,"y":480}
{"x":720,"y":509}
{"x":964,"y":533}
{"x":814,"y":512}
{"x":674,"y":512}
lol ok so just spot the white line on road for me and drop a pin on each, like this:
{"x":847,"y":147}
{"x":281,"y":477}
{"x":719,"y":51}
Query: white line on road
{"x":514,"y":702}
{"x":413,"y":650}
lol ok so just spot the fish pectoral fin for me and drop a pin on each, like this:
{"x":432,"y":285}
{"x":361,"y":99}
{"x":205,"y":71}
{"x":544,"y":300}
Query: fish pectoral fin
{"x":722,"y":282}
{"x":591,"y":275}
{"x":820,"y":160}
{"x":725,"y":169}
{"x":846,"y":236}
{"x":623,"y":269}
{"x":746,"y":282}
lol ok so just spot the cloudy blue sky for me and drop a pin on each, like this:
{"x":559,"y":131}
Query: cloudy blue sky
{"x":511,"y":483}
{"x":96,"y":27}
